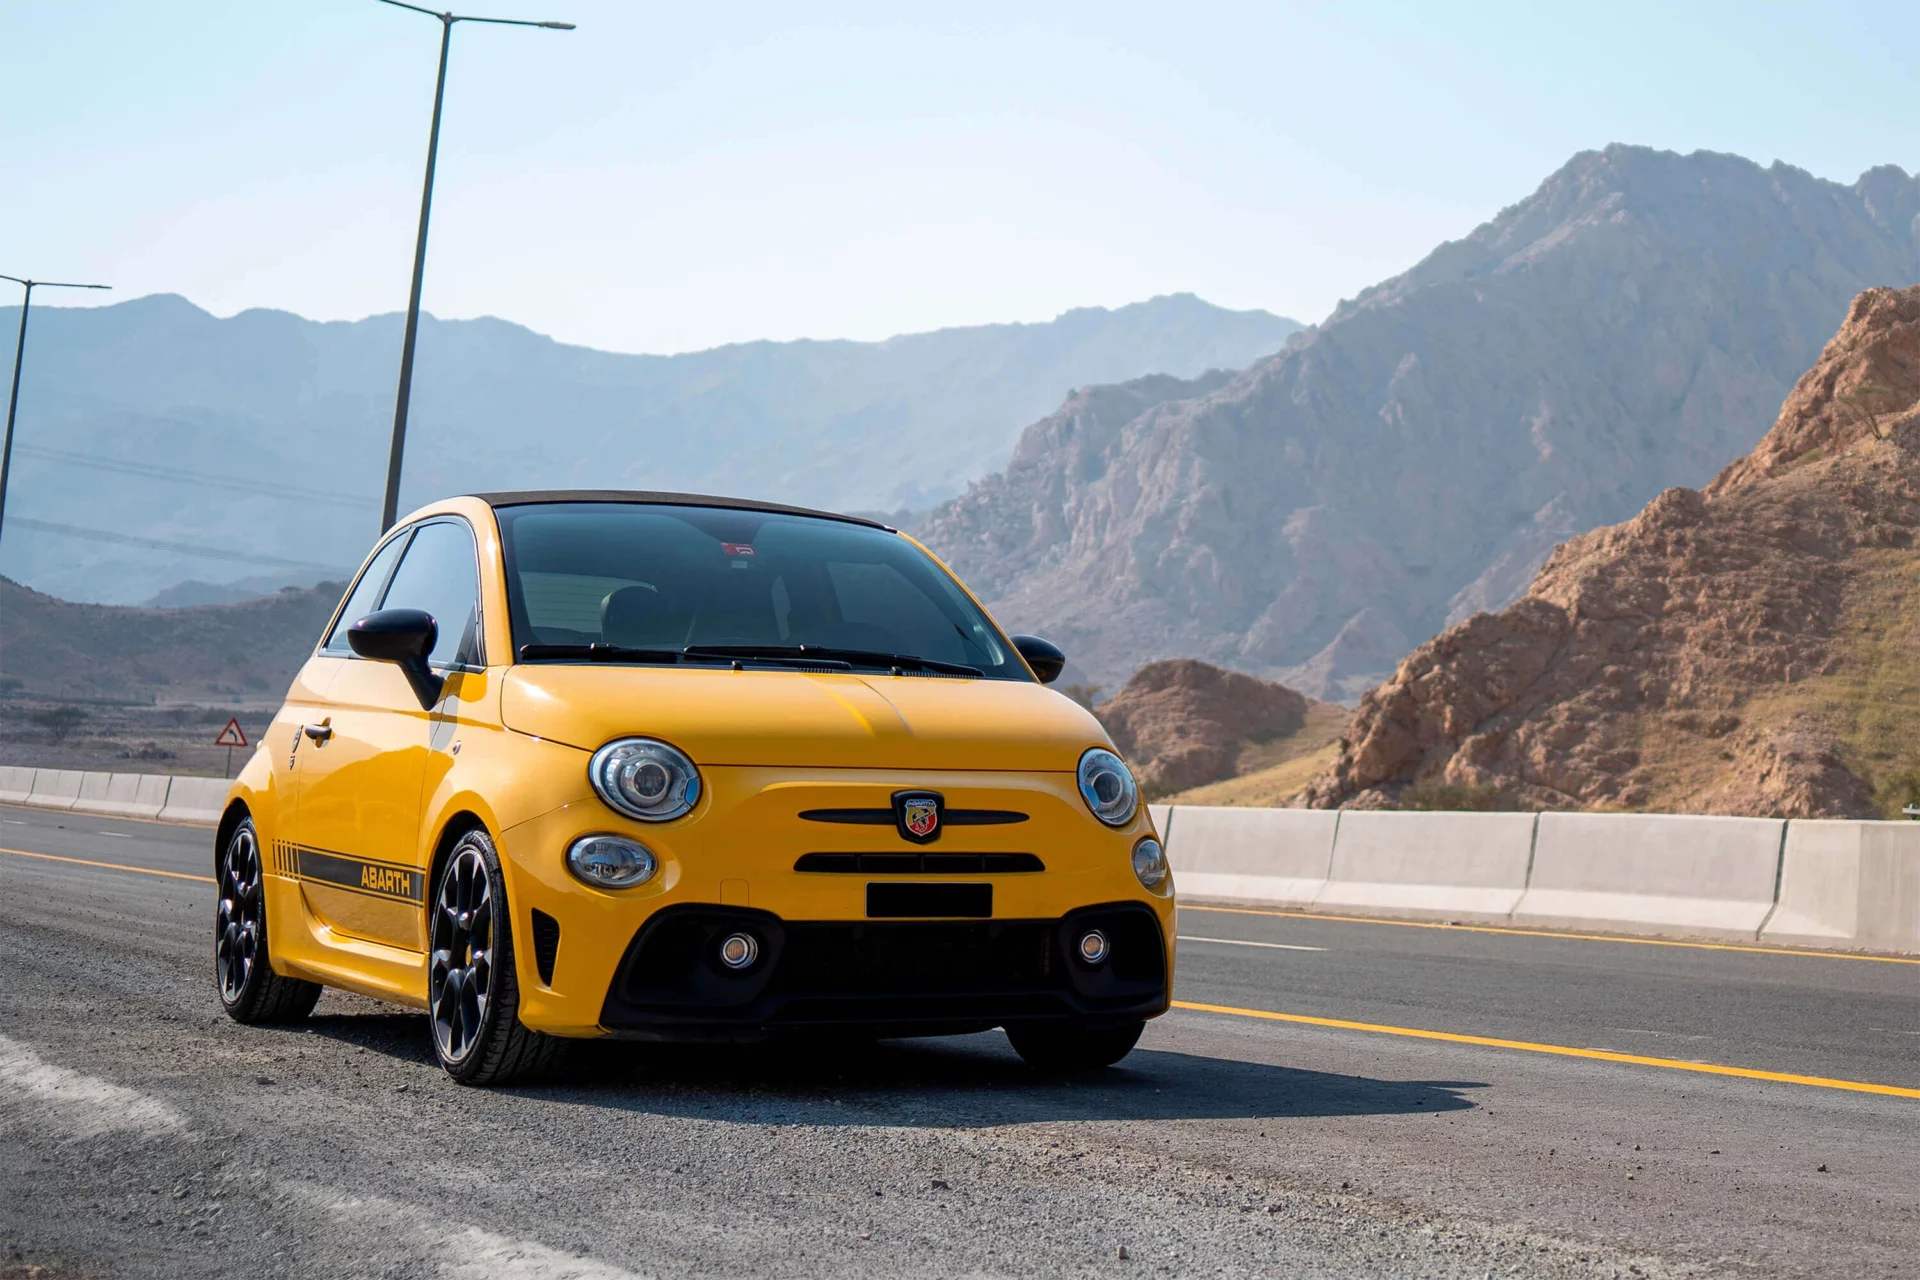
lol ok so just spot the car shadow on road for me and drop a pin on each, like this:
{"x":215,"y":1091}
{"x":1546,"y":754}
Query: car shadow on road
{"x":951,"y":1082}
{"x":964,"y":1082}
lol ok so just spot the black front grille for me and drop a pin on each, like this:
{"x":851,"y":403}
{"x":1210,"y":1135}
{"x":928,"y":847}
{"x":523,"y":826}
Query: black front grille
{"x":932,"y":864}
{"x":908,"y":974}
{"x":546,"y":945}
{"x":932,"y":958}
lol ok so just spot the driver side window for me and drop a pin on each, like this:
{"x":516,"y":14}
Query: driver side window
{"x":440,"y":574}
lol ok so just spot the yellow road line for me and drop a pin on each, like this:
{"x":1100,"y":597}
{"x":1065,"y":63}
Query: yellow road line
{"x":111,"y":866}
{"x":1561,"y":1050}
{"x":1554,"y":933}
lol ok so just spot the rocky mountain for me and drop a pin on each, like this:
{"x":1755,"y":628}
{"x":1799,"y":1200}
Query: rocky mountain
{"x":235,"y":652}
{"x":1183,"y":724}
{"x":263,"y":437}
{"x":1630,"y":326}
{"x":1751,"y":648}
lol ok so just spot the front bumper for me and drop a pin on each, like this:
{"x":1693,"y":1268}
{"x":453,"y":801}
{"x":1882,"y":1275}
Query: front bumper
{"x":744,"y":852}
{"x":920,"y":977}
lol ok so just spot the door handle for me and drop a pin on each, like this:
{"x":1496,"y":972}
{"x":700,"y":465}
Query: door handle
{"x":317,"y":732}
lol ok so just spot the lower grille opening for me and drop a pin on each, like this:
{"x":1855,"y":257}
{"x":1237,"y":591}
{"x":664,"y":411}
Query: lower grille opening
{"x":899,"y":973}
{"x":546,"y":945}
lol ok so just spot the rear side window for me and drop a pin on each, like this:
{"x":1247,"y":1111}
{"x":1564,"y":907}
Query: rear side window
{"x":365,"y":596}
{"x":439,"y":574}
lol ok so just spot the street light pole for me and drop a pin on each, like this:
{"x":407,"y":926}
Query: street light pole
{"x":389,"y":508}
{"x":19,"y":356}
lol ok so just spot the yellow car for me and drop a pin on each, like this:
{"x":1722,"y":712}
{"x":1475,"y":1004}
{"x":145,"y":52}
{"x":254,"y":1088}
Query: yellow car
{"x":579,"y":764}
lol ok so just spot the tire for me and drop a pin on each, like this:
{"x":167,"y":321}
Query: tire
{"x":250,"y":991}
{"x":473,"y":998}
{"x":1056,"y":1047}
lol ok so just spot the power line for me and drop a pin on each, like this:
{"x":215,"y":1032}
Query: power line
{"x":155,"y":469}
{"x":179,"y":548}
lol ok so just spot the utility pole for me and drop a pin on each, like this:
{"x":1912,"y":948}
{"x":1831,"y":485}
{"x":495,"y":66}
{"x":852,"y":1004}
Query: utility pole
{"x":19,"y":356}
{"x":389,"y":509}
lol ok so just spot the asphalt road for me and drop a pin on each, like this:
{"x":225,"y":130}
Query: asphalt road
{"x":142,"y":1134}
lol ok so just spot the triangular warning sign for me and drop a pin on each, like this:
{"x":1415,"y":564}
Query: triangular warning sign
{"x":231,"y":736}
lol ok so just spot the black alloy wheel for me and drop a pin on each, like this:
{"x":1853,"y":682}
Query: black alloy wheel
{"x":473,"y":1000}
{"x":460,"y":975}
{"x":250,"y":991}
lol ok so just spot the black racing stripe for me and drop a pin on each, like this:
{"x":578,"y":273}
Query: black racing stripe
{"x":361,"y":875}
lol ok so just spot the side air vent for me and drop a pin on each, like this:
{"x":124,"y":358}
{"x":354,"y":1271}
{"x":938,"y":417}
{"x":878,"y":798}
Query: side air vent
{"x":546,"y":944}
{"x":908,"y":864}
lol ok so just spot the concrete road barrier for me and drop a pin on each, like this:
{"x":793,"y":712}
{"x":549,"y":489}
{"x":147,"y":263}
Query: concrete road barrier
{"x":16,"y":784}
{"x":93,"y":792}
{"x":1453,"y":866}
{"x":128,"y":795}
{"x":1272,"y":857}
{"x":1665,"y":874}
{"x":1849,"y":884}
{"x":54,"y":788}
{"x":199,"y":800}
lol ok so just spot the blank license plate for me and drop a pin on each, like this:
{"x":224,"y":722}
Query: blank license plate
{"x":893,"y":900}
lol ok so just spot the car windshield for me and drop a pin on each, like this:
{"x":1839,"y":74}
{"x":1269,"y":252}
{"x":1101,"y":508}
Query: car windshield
{"x":653,"y":583}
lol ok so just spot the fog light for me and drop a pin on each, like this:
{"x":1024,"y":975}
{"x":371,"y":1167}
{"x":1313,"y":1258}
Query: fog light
{"x":1150,"y":864}
{"x":739,"y":950}
{"x":1094,"y":946}
{"x":611,"y":862}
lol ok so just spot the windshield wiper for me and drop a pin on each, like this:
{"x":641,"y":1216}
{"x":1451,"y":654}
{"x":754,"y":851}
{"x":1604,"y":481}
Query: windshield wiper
{"x":848,"y":657}
{"x":597,"y":653}
{"x":779,"y":655}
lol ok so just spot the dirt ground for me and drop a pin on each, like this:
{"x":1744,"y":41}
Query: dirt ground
{"x":123,"y":739}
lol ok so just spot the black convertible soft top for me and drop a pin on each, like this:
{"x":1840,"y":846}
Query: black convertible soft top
{"x":529,"y":497}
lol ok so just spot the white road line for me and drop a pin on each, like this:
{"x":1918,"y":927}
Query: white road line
{"x":81,"y":1106}
{"x":454,"y":1250}
{"x":118,"y":835}
{"x":1242,"y":942}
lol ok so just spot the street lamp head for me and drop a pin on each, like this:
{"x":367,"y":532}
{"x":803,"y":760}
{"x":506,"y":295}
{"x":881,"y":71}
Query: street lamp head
{"x":558,"y":26}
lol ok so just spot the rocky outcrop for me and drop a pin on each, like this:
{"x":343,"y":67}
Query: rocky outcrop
{"x":1742,"y":650}
{"x":1630,"y":327}
{"x":1182,"y":723}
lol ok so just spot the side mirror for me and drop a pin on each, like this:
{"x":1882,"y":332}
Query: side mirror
{"x":1046,"y":659}
{"x":403,"y":637}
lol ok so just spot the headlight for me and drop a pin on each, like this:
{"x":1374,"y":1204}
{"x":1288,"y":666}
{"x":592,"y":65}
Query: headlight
{"x":1107,"y":787}
{"x":1150,"y":863}
{"x":644,"y":779}
{"x":611,"y":862}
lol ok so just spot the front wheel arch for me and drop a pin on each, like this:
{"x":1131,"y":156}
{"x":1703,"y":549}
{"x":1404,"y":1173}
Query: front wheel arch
{"x":236,"y":813}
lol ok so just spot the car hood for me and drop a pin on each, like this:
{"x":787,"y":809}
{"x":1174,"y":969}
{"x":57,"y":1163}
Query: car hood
{"x":805,"y":719}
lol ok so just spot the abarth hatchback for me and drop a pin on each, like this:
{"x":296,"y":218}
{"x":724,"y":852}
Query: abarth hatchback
{"x":658,"y":766}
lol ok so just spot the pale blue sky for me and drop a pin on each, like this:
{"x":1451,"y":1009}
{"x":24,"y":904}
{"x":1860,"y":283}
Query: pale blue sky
{"x":671,"y":177}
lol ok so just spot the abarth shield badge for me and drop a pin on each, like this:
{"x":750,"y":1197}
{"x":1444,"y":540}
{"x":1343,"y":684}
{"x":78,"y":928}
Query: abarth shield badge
{"x":917,"y":814}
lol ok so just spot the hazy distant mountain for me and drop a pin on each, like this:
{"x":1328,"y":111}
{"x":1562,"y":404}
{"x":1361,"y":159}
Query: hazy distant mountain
{"x":193,"y":592}
{"x":1630,"y":326}
{"x":300,"y":412}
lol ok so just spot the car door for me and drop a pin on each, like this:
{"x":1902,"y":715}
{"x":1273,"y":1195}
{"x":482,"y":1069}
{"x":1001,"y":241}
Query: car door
{"x":306,"y":702}
{"x":363,"y":857}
